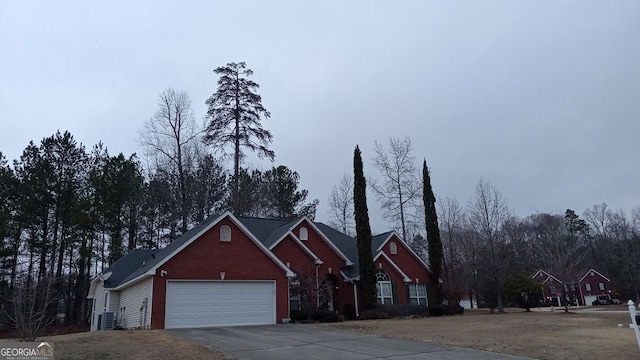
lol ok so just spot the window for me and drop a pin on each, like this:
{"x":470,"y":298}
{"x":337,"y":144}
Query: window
{"x":592,"y":274}
{"x":601,"y":286}
{"x":393,"y":248}
{"x":587,"y":287}
{"x":225,"y":233}
{"x":573,"y":287}
{"x":383,"y":284}
{"x":304,"y":233}
{"x":418,"y":294}
{"x":106,"y":297}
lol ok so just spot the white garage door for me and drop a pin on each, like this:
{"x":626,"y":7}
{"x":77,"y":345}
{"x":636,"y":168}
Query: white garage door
{"x":219,"y":303}
{"x":589,"y":299}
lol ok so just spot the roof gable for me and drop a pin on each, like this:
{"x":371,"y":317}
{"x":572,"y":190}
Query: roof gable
{"x":151,"y":265}
{"x":395,"y":266}
{"x":392,"y":234}
{"x":595,"y":271}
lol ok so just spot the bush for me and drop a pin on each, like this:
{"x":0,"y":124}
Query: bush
{"x":315,"y":315}
{"x":439,"y":310}
{"x":374,"y":314}
{"x":403,"y":310}
{"x":436,"y":310}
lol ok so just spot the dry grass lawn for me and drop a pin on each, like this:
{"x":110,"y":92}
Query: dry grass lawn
{"x":539,"y":334}
{"x":128,"y":345}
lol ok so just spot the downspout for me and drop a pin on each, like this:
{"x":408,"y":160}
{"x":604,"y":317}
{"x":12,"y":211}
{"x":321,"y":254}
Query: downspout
{"x":317,"y":287}
{"x":355,"y":296}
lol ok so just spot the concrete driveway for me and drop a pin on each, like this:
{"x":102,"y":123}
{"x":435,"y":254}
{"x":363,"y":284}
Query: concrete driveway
{"x":299,"y":341}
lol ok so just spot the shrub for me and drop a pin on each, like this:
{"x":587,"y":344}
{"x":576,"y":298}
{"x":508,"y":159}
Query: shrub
{"x":374,"y":314}
{"x":403,"y":310}
{"x":451,"y":309}
{"x":315,"y":315}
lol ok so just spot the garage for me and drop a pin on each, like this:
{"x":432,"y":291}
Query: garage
{"x":589,"y":299}
{"x":193,"y":304}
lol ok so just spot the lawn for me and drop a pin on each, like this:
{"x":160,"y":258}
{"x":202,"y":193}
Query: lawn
{"x":125,"y":345}
{"x":539,"y":334}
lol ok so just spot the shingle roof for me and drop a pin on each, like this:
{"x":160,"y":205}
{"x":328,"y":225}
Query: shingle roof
{"x":268,"y":231}
{"x":122,"y":268}
{"x":377,"y":240}
{"x":155,"y":256}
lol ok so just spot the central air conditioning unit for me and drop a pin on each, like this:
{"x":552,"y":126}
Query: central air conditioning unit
{"x":108,"y":320}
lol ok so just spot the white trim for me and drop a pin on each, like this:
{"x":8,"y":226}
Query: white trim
{"x":406,"y":246}
{"x":405,"y":279}
{"x":549,"y":276}
{"x":131,"y":282}
{"x":595,"y":271}
{"x":322,"y":236}
{"x":249,"y":234}
{"x":299,"y":242}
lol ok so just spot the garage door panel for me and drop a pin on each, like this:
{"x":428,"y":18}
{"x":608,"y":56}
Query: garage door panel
{"x":219,"y":303}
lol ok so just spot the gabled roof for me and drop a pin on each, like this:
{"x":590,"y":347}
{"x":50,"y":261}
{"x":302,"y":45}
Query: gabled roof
{"x":271,"y":231}
{"x":547,"y":276}
{"x":156,"y":258}
{"x":268,"y":231}
{"x":595,"y":271}
{"x":164,"y":254}
{"x":125,"y":266}
{"x":382,"y":240}
{"x":381,"y":254}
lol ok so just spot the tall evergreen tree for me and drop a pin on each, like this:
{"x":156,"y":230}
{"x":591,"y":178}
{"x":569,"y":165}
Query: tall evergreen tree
{"x":433,"y":231}
{"x":235,"y":111}
{"x":363,"y":234}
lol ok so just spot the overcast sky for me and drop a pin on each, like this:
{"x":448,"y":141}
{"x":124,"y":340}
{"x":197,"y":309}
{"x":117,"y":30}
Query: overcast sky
{"x":541,"y":98}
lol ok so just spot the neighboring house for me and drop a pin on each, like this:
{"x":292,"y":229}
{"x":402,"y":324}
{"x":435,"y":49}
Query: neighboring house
{"x":232,"y":270}
{"x":582,"y":287}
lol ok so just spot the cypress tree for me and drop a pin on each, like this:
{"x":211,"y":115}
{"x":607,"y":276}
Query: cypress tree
{"x":433,"y":232}
{"x":363,"y":234}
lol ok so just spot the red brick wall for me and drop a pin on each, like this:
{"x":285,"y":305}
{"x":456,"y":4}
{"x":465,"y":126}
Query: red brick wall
{"x":207,"y":256}
{"x":330,"y":259}
{"x":407,"y":262}
{"x":289,"y":251}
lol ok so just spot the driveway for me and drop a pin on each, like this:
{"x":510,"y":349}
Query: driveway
{"x":299,"y":341}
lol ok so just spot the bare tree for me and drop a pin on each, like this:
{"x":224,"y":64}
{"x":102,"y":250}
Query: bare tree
{"x":169,"y":139}
{"x":452,"y":220}
{"x":488,"y":211}
{"x":400,"y":190}
{"x":341,"y":205}
{"x":32,"y":307}
{"x":560,"y":244}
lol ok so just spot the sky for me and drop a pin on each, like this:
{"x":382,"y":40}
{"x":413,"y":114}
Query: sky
{"x":540,"y":98}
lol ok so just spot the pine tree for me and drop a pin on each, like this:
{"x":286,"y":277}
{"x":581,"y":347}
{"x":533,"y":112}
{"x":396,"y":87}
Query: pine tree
{"x":433,"y":231}
{"x":235,"y":113}
{"x":363,"y":234}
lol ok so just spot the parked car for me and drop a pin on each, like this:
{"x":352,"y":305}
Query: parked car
{"x":599,"y":302}
{"x":615,"y":302}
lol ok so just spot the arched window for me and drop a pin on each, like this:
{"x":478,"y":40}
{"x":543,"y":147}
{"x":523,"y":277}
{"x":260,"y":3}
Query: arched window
{"x":393,"y":248}
{"x":383,"y":284}
{"x":304,"y":233}
{"x":225,"y":233}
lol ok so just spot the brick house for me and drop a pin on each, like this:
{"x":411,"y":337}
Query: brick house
{"x":232,"y":270}
{"x":582,"y":287}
